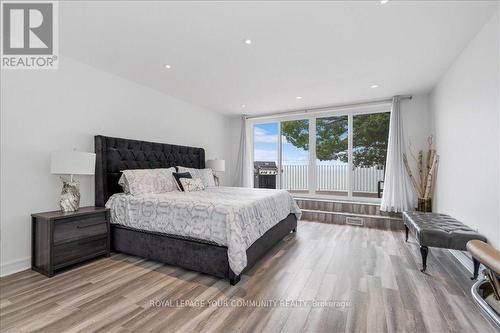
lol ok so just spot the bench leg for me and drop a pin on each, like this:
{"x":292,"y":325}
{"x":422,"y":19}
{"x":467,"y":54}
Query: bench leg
{"x":406,"y":229}
{"x":424,"y":250}
{"x":476,"y":269}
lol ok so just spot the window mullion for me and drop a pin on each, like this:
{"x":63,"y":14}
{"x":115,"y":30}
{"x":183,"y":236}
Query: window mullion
{"x":312,"y":155}
{"x":350,"y":180}
{"x":279,"y":177}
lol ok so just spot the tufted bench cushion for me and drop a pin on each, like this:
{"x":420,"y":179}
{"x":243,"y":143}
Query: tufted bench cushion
{"x":438,"y":230}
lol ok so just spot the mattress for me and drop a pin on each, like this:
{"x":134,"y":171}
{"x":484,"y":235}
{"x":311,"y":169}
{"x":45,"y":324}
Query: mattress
{"x":234,"y":217}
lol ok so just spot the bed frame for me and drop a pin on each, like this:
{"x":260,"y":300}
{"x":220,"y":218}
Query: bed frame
{"x":116,"y":154}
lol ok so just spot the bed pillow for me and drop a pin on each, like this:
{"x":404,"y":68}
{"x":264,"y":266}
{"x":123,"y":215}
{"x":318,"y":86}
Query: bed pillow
{"x":124,"y":184}
{"x":142,"y":181}
{"x":206,"y":175}
{"x":178,"y":176}
{"x":192,"y":184}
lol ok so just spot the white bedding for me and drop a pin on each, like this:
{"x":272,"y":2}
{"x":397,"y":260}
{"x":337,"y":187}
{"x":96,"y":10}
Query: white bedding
{"x":230,"y":216}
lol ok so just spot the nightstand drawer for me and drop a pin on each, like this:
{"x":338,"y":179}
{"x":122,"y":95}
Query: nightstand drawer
{"x":72,"y":252}
{"x":70,"y":229}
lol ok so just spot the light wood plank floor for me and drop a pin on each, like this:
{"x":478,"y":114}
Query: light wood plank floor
{"x":373,"y":271}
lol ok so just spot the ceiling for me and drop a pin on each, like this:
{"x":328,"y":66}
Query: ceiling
{"x":326,"y":52}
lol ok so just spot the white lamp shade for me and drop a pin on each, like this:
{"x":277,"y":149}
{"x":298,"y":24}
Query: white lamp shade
{"x":72,"y":163}
{"x":217,"y":165}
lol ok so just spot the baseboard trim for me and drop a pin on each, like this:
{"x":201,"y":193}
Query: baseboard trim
{"x":463,"y":259}
{"x":14,"y":266}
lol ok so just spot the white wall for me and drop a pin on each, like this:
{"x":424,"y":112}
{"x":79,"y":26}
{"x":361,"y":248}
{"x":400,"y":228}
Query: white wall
{"x":44,"y":111}
{"x":465,"y":106}
{"x":417,"y":123}
{"x":417,"y":127}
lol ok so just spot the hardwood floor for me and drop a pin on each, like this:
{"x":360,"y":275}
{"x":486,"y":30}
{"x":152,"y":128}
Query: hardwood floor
{"x":372,"y":275}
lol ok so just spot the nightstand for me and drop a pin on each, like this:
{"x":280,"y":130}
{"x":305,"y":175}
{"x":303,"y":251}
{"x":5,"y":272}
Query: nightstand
{"x":61,"y":239}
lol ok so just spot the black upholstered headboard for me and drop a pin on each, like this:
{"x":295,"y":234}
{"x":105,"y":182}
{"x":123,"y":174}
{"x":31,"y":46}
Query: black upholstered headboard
{"x":115,"y":154}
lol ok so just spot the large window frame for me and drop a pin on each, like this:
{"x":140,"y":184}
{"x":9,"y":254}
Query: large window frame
{"x":311,"y":116}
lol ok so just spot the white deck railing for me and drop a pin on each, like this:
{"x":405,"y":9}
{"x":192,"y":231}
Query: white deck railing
{"x":332,"y":178}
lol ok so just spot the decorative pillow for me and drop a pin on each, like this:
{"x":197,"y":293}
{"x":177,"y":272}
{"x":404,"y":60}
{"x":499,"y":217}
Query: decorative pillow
{"x":192,"y":184}
{"x":206,"y":175}
{"x":178,"y":176}
{"x":141,"y":181}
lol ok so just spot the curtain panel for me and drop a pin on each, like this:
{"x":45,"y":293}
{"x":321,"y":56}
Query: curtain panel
{"x":243,"y":177}
{"x":397,"y":195}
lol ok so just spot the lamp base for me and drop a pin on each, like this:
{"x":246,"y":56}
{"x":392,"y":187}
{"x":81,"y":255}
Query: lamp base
{"x":70,"y":196}
{"x":216,"y":179}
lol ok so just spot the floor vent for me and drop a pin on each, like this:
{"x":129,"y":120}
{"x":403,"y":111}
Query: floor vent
{"x":354,"y":221}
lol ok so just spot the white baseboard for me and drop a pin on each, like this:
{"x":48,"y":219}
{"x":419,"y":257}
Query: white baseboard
{"x":463,"y":259}
{"x":11,"y":267}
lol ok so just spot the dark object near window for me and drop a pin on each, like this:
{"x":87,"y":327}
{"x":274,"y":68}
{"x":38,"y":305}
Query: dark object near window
{"x":380,"y":188}
{"x":265,"y":174}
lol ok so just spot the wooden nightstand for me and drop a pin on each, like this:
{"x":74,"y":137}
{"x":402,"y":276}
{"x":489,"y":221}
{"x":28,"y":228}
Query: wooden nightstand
{"x":61,"y":239}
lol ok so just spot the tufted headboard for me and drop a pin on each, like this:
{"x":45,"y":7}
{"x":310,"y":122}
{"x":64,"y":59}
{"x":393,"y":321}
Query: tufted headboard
{"x":115,"y":154}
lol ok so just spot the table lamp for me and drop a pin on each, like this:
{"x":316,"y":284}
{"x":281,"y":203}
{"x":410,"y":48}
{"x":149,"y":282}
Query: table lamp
{"x":216,"y":166}
{"x":71,"y":163}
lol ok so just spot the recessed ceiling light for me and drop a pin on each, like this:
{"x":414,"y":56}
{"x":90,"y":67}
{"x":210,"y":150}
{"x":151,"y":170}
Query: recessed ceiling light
{"x":248,"y":41}
{"x":243,"y":106}
{"x":298,"y":97}
{"x":383,"y":2}
{"x":167,"y":66}
{"x":373,"y":86}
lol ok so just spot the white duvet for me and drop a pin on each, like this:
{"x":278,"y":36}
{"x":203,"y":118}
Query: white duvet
{"x":230,"y":216}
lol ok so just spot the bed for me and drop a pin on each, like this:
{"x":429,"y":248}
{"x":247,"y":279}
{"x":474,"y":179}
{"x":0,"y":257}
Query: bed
{"x":199,"y":250}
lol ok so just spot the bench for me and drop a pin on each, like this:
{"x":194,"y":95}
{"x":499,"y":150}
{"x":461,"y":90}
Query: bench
{"x":439,"y":230}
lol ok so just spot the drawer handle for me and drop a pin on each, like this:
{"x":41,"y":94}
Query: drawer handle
{"x":88,"y":225}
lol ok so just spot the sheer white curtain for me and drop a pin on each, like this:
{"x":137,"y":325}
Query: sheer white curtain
{"x":242,"y":173}
{"x":397,"y":195}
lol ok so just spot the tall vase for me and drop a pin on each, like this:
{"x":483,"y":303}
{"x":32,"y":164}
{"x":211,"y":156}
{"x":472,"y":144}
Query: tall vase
{"x":70,"y":196}
{"x":424,"y":205}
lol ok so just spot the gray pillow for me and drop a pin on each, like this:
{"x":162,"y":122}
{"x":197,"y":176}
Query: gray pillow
{"x":142,"y":181}
{"x":206,"y":175}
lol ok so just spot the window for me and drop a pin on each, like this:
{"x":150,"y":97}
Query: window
{"x":369,"y":152}
{"x":295,"y":155}
{"x":333,"y":154}
{"x":265,"y":154}
{"x":265,"y":138}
